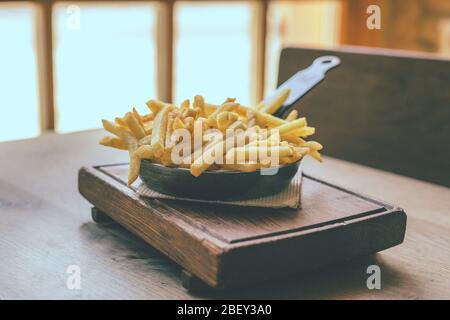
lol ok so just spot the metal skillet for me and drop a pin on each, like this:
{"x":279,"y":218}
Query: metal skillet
{"x":226,"y":184}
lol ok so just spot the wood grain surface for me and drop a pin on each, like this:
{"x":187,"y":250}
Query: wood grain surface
{"x":46,"y":226}
{"x":320,"y":204}
{"x":229,"y":246}
{"x":381,"y":108}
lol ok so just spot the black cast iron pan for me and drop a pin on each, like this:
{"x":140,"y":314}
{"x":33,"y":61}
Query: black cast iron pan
{"x":225,"y":184}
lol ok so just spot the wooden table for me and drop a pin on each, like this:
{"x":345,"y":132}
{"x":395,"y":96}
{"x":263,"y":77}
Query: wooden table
{"x":46,"y":226}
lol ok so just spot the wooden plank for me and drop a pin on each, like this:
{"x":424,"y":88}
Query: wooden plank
{"x":242,"y":223}
{"x":124,"y":206}
{"x":380,"y":108}
{"x":44,"y":50}
{"x":223,"y":245}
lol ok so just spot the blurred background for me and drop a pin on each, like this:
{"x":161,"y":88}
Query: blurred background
{"x":65,"y":65}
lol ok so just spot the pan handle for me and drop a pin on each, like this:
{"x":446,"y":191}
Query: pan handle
{"x":304,"y":80}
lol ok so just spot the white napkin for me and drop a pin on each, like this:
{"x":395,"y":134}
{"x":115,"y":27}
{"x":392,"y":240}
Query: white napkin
{"x":287,"y":198}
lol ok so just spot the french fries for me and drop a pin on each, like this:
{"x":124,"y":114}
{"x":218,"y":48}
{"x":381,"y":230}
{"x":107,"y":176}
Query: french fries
{"x":228,"y":136}
{"x":292,"y":115}
{"x":276,"y":102}
{"x":114,"y":143}
{"x":159,"y":131}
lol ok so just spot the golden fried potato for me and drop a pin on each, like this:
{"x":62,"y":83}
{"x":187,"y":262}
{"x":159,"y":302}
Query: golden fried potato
{"x":114,"y":143}
{"x":275,"y":104}
{"x":159,"y":131}
{"x":229,"y":136}
{"x":292,"y":115}
{"x":134,"y":125}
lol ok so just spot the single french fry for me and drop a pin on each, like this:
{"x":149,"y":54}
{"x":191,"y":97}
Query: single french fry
{"x":138,"y":117}
{"x":275,"y":104}
{"x":147,"y":140}
{"x":293,"y":139}
{"x":227,"y":100}
{"x":292,"y":115}
{"x":136,"y":128}
{"x":114,"y":128}
{"x":135,"y":162}
{"x":189,"y":123}
{"x":304,"y":132}
{"x":177,"y":124}
{"x":204,"y":122}
{"x":155,"y":105}
{"x":205,"y":160}
{"x":290,"y":126}
{"x":166,"y":157}
{"x":237,"y":125}
{"x":225,"y":119}
{"x":148,"y":117}
{"x":120,"y":122}
{"x":113,"y":143}
{"x":198,"y":112}
{"x":225,"y":107}
{"x":148,"y":127}
{"x":303,"y":150}
{"x":264,"y":119}
{"x":259,"y":106}
{"x":199,"y":127}
{"x":210,"y":108}
{"x":251,"y":122}
{"x":168,"y":142}
{"x":316,"y":155}
{"x":291,"y":159}
{"x":159,"y":131}
{"x":185,"y":104}
{"x":199,"y":103}
{"x":144,"y":152}
{"x":264,"y":142}
{"x":186,"y":113}
{"x":210,"y":123}
{"x":313,"y":145}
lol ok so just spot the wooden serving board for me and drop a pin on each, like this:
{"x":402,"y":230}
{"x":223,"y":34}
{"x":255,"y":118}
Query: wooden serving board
{"x":226,"y":246}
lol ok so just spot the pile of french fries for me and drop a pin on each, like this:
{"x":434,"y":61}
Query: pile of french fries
{"x":205,"y":136}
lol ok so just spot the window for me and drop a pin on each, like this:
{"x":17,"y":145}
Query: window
{"x":18,"y":73}
{"x":213,"y":51}
{"x":65,"y":65}
{"x":105,"y":64}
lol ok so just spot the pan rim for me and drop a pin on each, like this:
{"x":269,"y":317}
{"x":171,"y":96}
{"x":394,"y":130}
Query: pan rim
{"x":220,"y":171}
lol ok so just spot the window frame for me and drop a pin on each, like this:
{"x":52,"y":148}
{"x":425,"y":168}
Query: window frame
{"x":44,"y":31}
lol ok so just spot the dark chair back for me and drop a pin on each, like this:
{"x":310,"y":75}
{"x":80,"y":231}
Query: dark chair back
{"x":384,"y":109}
